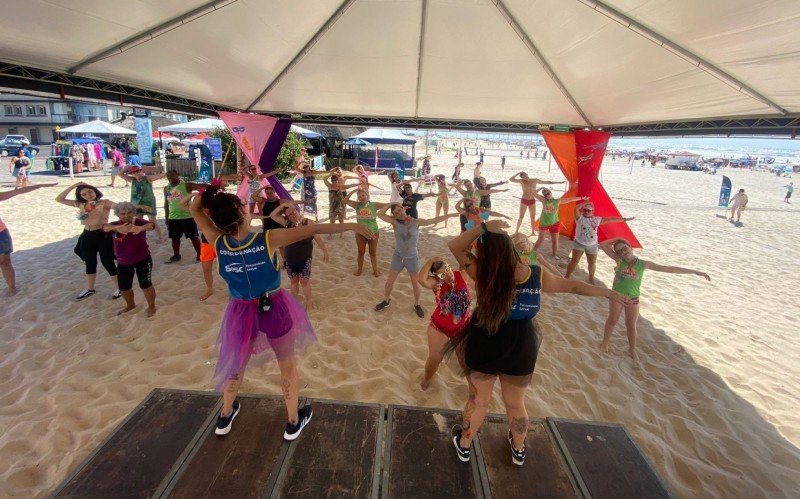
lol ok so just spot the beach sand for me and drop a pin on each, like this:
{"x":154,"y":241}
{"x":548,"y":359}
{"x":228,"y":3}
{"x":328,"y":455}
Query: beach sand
{"x":712,"y":399}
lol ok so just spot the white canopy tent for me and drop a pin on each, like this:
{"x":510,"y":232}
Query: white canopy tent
{"x":196,"y":126}
{"x":98,"y":127}
{"x":575,"y":62}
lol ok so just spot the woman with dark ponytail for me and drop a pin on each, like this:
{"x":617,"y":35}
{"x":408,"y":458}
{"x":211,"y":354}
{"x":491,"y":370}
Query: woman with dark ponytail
{"x":262,"y":319}
{"x":501,"y":339}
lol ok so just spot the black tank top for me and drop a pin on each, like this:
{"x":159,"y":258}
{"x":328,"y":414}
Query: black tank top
{"x":268,"y":223}
{"x":300,"y":251}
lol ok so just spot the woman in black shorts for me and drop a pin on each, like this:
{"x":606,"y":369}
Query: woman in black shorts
{"x":297,"y":256}
{"x":501,"y":339}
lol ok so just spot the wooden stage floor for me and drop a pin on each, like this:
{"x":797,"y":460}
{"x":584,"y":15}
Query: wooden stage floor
{"x":167,"y":447}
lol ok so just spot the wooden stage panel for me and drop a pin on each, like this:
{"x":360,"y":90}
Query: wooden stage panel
{"x":422,"y":461}
{"x":335,"y":456}
{"x":141,"y":452}
{"x":544,"y":473}
{"x":607,"y":461}
{"x":240,"y":463}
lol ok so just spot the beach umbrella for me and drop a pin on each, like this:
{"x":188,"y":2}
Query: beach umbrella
{"x":355,"y":141}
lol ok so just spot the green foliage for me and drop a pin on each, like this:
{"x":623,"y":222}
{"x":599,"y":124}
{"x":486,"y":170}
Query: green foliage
{"x":290,"y":150}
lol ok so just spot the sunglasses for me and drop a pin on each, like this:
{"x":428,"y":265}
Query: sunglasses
{"x":442,"y":272}
{"x":587,"y":210}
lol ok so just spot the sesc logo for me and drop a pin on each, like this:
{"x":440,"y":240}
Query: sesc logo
{"x":237,"y":129}
{"x":234,"y":268}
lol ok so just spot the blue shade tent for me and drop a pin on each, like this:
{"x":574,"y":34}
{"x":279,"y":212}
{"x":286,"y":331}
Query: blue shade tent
{"x":385,"y":136}
{"x":306,"y":132}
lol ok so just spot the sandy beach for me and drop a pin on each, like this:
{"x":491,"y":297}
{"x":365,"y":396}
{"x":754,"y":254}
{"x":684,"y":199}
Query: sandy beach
{"x":712,"y":399}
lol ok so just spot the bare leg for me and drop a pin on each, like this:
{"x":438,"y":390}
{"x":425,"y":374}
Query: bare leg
{"x":513,"y":391}
{"x":159,"y":233}
{"x":305,"y":285}
{"x":573,"y":262}
{"x":532,"y":212}
{"x":483,"y":385}
{"x":8,"y":273}
{"x":361,"y":243}
{"x":90,"y":278}
{"x":208,"y":277}
{"x":289,"y":386}
{"x":415,"y":286}
{"x":229,"y":392}
{"x":294,"y":284}
{"x":554,"y":243}
{"x":373,"y":256}
{"x":196,"y":245}
{"x":522,"y":210}
{"x":436,"y":344}
{"x":614,"y":311}
{"x":539,"y":240}
{"x":592,"y":260}
{"x":387,"y":288}
{"x":631,"y":315}
{"x":150,"y":296}
{"x":129,"y":303}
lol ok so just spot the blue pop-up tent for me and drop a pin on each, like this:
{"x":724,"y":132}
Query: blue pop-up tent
{"x":392,"y":159}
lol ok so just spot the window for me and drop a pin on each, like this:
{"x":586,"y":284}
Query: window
{"x":9,"y":110}
{"x":43,"y":110}
{"x":17,"y":110}
{"x":31,"y":110}
{"x":34,"y":135}
{"x":13,"y":110}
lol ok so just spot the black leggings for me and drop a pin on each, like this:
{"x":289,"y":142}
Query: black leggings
{"x":143,"y":271}
{"x":96,"y":241}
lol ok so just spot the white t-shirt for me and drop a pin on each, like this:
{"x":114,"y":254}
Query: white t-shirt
{"x":586,"y":230}
{"x":395,"y":196}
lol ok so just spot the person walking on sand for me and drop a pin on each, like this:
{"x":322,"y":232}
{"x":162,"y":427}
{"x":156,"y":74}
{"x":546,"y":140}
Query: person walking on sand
{"x":503,"y":163}
{"x":179,"y":221}
{"x":261,"y":320}
{"x":143,"y":197}
{"x":117,"y":164}
{"x":406,"y":252}
{"x":586,"y":225}
{"x":366,"y":215}
{"x":738,"y":204}
{"x":452,"y":313}
{"x":18,"y":168}
{"x":501,"y":340}
{"x":789,"y":190}
{"x":627,"y":281}
{"x":6,"y":243}
{"x":93,"y":214}
{"x":133,"y":256}
{"x":528,"y":201}
{"x":297,"y":257}
{"x":549,"y":222}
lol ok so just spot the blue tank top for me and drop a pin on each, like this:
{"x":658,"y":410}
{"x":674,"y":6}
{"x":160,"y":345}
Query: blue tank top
{"x":528,"y":294}
{"x":249,"y":267}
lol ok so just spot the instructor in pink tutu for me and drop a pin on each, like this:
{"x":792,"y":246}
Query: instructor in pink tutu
{"x":261,"y":319}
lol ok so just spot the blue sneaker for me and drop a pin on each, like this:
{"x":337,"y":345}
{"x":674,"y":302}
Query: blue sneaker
{"x":303,"y":418}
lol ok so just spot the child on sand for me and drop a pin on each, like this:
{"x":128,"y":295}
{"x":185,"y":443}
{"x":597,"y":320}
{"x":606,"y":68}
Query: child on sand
{"x":133,"y":256}
{"x":627,"y":281}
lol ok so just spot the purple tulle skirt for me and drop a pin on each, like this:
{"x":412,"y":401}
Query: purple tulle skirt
{"x":246,"y":332}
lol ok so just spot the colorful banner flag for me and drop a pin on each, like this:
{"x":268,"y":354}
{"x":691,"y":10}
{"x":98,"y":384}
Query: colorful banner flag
{"x":725,"y":191}
{"x":260,"y":138}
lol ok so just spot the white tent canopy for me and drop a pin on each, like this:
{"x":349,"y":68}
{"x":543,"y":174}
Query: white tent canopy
{"x":576,"y":62}
{"x":98,"y":127}
{"x":196,"y":126}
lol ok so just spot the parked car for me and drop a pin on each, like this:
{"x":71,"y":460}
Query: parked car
{"x":683,"y":163}
{"x":11,"y":147}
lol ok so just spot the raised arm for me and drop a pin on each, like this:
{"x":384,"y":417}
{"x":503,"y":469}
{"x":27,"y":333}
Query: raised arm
{"x":425,"y":279}
{"x":549,"y":182}
{"x":383,"y":216}
{"x":608,"y":247}
{"x":498,"y":214}
{"x":538,"y":196}
{"x":157,"y":176}
{"x":460,"y":245}
{"x":62,"y":197}
{"x":459,"y":207}
{"x":349,"y":202}
{"x":279,"y":238}
{"x":486,"y":192}
{"x":496,"y":184}
{"x":573,"y":199}
{"x":557,"y":284}
{"x":674,"y":270}
{"x":515,"y":179}
{"x":203,"y":221}
{"x":436,"y":220}
{"x":275,"y":214}
{"x":612,"y":220}
{"x":22,"y":190}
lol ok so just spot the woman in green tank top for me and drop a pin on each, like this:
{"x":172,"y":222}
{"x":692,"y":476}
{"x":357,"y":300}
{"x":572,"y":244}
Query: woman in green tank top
{"x":627,"y":281}
{"x":366,"y":214}
{"x":548,"y":222}
{"x":142,"y":195}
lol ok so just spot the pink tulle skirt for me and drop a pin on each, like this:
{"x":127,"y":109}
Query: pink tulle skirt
{"x":250,"y":338}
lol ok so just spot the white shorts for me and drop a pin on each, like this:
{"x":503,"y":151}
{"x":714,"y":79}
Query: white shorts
{"x":589,"y":249}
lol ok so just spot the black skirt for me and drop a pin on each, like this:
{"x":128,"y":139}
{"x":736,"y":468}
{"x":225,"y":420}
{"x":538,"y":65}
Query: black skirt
{"x":512,"y":350}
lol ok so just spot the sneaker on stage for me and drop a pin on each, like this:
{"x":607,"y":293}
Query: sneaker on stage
{"x":455,"y":434}
{"x":303,"y":418}
{"x":517,"y":456}
{"x":224,"y":423}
